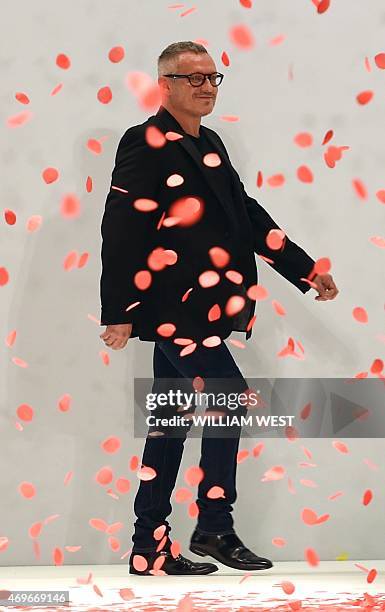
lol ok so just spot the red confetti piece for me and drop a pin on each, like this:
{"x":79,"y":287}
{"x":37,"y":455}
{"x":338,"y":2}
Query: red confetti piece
{"x":234,"y":276}
{"x":364,"y":97}
{"x":4,"y":277}
{"x":16,"y":360}
{"x":35,"y":530}
{"x":219,"y":256}
{"x":246,"y":3}
{"x":64,"y":403}
{"x":275,"y":239}
{"x":33,"y":223}
{"x":123,"y":485}
{"x":380,"y":60}
{"x":367,"y":64}
{"x":225,"y":59}
{"x":371,"y":576}
{"x":154,"y":137}
{"x":276,"y":180}
{"x":89,"y":184}
{"x":360,"y":189}
{"x":323,"y":6}
{"x":58,"y":556}
{"x":378,"y":241}
{"x":166,"y":330}
{"x":311,"y":557}
{"x":367,"y":498}
{"x":114,"y":543}
{"x":234,"y":305}
{"x":104,"y":476}
{"x":98,"y":524}
{"x":377,"y":366}
{"x":22,"y":97}
{"x":104,"y":95}
{"x":309,"y":517}
{"x":229,"y":118}
{"x":214,"y":313}
{"x":212,"y":160}
{"x":215,"y":492}
{"x":193,"y":475}
{"x":9,"y":216}
{"x":151,"y":98}
{"x":328,"y":136}
{"x":10,"y":339}
{"x":97,"y":590}
{"x":278,"y":542}
{"x":27,"y":490}
{"x":126,"y":594}
{"x":70,"y":206}
{"x":279,"y":309}
{"x":303,"y":139}
{"x":56,"y":89}
{"x":257,"y":292}
{"x":380,"y":195}
{"x":209,"y":278}
{"x":68,"y":477}
{"x":143,"y":279}
{"x":183,"y":495}
{"x":340,"y":446}
{"x":111,"y":445}
{"x":259,"y":179}
{"x":275,"y":473}
{"x":50,"y":175}
{"x":360,"y":314}
{"x":322,"y":265}
{"x":95,"y":146}
{"x":277,"y":40}
{"x":4,"y":542}
{"x":25,"y":412}
{"x":83,"y":260}
{"x":188,"y":12}
{"x":134,"y":463}
{"x":287,"y":587}
{"x":241,"y":36}
{"x":63,"y":61}
{"x":19,"y":119}
{"x":116,"y":54}
{"x":146,"y":473}
{"x":304,"y":174}
{"x":174,"y":180}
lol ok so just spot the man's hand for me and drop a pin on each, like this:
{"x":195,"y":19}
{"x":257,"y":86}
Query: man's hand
{"x":116,"y":336}
{"x":326,"y":287}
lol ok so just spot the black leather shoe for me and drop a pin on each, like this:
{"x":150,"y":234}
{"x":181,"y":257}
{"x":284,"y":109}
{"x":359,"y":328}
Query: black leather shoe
{"x":172,"y":566}
{"x":228,"y":549}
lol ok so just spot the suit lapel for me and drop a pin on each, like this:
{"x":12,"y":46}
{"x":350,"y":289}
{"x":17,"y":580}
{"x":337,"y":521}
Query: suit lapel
{"x":169,"y":123}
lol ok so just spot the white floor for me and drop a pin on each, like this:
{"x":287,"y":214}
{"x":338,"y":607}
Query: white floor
{"x":334,"y":585}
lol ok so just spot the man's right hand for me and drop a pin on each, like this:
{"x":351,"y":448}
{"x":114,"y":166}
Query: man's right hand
{"x":116,"y":336}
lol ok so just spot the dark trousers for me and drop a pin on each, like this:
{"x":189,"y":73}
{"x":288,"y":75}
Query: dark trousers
{"x":164,"y":452}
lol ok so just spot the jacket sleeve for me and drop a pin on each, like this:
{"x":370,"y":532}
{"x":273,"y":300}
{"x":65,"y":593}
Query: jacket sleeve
{"x":291,"y":262}
{"x":125,"y":230}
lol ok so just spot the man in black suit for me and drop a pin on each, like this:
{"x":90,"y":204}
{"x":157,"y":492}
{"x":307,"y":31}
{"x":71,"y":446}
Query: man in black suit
{"x":180,"y":235}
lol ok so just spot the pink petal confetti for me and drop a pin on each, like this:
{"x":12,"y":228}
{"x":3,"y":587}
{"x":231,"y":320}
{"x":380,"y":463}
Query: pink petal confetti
{"x":322,"y":265}
{"x":9,"y":216}
{"x":234,"y":276}
{"x":126,"y":594}
{"x":308,"y":483}
{"x":209,"y":278}
{"x":154,"y":137}
{"x":229,"y":118}
{"x":276,"y":180}
{"x":183,"y":495}
{"x":111,"y":445}
{"x":97,"y":590}
{"x":17,"y":360}
{"x":360,"y":314}
{"x":367,"y":64}
{"x":193,"y":475}
{"x":241,"y":36}
{"x":214,"y":313}
{"x":143,"y":279}
{"x":83,"y":260}
{"x":279,"y":309}
{"x":259,"y":179}
{"x":258,"y":449}
{"x":174,"y":180}
{"x":303,"y":139}
{"x":56,"y":89}
{"x":211,"y":341}
{"x":104,"y":476}
{"x":360,"y":189}
{"x":146,"y":473}
{"x":242,"y":455}
{"x":367,"y":497}
{"x":27,"y":490}
{"x":10,"y":339}
{"x":35,"y":530}
{"x":63,"y":61}
{"x":364,"y":97}
{"x":212,"y":160}
{"x":116,"y":54}
{"x":193,"y":510}
{"x":70,"y":206}
{"x":188,"y":349}
{"x":234,"y":304}
{"x":287,"y":587}
{"x":140,"y":563}
{"x":151,"y":98}
{"x":25,"y":412}
{"x":22,"y":97}
{"x":311,"y":557}
{"x":89,"y":184}
{"x":215,"y":492}
{"x":50,"y":175}
{"x":219,"y":256}
{"x":380,"y":60}
{"x":4,"y":542}
{"x":328,"y":136}
{"x":19,"y":119}
{"x":380,"y":195}
{"x":122,"y":485}
{"x":323,"y":6}
{"x":68,"y":478}
{"x":34,"y":223}
{"x":257,"y":292}
{"x":277,"y":40}
{"x":95,"y":146}
{"x":64,"y":403}
{"x":225,"y":59}
{"x":114,"y":543}
{"x":98,"y":524}
{"x":145,"y":204}
{"x":304,"y":174}
{"x":371,"y":576}
{"x":58,"y":556}
{"x":70,"y":260}
{"x":341,"y":447}
{"x":188,"y":12}
{"x":104,"y":95}
{"x":309,"y":517}
{"x":275,"y":239}
{"x":72,"y":548}
{"x":275,"y":473}
{"x":378,"y":241}
{"x":166,"y":330}
{"x":246,"y":3}
{"x":278,"y":542}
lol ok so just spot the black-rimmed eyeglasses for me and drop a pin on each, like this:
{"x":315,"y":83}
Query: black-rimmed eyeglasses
{"x":197,"y":79}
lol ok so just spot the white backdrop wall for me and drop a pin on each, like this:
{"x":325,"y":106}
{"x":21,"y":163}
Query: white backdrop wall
{"x":55,"y":312}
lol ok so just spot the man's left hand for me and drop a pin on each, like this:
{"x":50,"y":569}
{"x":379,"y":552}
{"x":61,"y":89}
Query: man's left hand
{"x":326,"y":287}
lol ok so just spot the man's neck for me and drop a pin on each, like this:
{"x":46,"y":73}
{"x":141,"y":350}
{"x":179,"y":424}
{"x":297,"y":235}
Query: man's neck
{"x":189,"y":124}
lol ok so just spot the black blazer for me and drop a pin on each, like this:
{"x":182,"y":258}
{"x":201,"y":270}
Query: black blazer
{"x":171,"y":293}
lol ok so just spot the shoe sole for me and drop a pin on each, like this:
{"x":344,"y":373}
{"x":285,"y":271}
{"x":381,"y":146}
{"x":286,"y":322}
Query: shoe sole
{"x":210,"y":571}
{"x":203,"y":553}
